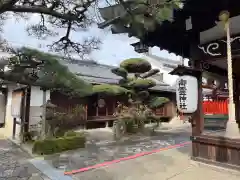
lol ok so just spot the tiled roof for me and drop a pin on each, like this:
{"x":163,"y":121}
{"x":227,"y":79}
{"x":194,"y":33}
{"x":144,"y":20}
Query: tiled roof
{"x":99,"y":80}
{"x":164,"y":88}
{"x":94,"y":72}
{"x":91,"y":68}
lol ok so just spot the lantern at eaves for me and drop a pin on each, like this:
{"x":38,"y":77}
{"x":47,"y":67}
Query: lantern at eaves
{"x":187,"y":94}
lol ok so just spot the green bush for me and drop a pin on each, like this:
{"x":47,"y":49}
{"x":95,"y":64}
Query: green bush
{"x":142,"y":83}
{"x":56,"y":145}
{"x":108,"y":89}
{"x":129,"y":126}
{"x":120,"y":72}
{"x":136,"y":65}
{"x":158,"y":102}
{"x":70,"y":133}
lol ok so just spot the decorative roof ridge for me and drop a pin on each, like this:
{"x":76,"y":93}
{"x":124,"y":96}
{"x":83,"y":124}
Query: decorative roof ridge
{"x":85,"y":62}
{"x":162,"y":59}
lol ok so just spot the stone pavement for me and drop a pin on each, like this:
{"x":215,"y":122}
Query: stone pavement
{"x":99,"y":150}
{"x":174,"y":164}
{"x":14,"y":164}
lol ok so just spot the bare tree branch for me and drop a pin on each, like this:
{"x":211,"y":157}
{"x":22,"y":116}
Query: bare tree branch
{"x":62,"y":14}
{"x":72,"y":15}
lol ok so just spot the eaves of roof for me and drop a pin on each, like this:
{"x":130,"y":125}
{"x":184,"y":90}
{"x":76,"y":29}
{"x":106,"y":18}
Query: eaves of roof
{"x":99,"y":80}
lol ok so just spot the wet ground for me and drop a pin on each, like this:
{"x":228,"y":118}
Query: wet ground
{"x":101,"y":148}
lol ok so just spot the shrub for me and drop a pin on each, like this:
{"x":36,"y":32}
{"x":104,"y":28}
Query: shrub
{"x":158,"y":102}
{"x":120,"y":72}
{"x":108,"y":89}
{"x":136,"y":65}
{"x":60,"y":120}
{"x":131,"y":127}
{"x":56,"y":145}
{"x":134,"y":116}
{"x":70,"y":133}
{"x":142,"y":83}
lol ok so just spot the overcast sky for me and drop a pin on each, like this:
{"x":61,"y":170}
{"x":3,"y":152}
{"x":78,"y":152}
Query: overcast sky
{"x":114,"y":48}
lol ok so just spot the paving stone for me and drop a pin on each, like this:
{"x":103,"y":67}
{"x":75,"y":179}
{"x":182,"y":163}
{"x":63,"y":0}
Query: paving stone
{"x":14,"y":164}
{"x":98,"y":150}
{"x":35,"y":177}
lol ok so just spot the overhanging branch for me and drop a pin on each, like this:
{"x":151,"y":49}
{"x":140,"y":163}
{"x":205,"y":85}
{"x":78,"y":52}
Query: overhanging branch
{"x":43,"y":10}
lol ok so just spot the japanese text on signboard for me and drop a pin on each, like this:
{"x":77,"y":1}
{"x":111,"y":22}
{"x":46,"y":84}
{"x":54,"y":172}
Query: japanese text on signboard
{"x":182,"y":94}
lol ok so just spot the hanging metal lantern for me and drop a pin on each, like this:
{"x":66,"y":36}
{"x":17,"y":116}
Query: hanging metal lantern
{"x":140,"y":47}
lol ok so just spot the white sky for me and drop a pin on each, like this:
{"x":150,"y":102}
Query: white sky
{"x":114,"y":48}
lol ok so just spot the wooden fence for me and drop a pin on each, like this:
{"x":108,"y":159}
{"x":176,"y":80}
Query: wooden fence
{"x":215,"y":107}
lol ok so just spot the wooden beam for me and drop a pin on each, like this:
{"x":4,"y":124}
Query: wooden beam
{"x":198,"y":119}
{"x":208,"y":67}
{"x":236,"y":99}
{"x":184,"y":70}
{"x":106,"y":110}
{"x":218,"y":48}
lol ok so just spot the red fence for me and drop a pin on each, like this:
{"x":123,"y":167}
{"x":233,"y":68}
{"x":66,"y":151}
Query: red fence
{"x":215,"y":107}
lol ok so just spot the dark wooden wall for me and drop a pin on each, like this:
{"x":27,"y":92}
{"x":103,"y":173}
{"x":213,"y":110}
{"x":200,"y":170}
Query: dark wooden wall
{"x":213,"y":148}
{"x":66,"y":104}
{"x":95,"y":113}
{"x":65,"y":101}
{"x":169,"y":109}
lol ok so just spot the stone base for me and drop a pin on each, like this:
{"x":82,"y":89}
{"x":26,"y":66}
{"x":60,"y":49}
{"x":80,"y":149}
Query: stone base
{"x":217,"y":165}
{"x":176,"y":121}
{"x":232,"y":130}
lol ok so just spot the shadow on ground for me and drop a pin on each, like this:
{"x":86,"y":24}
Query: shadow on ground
{"x":101,"y":148}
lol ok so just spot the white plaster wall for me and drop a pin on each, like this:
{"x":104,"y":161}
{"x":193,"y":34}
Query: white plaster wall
{"x":37,"y":96}
{"x":7,"y":130}
{"x":36,"y":101}
{"x":35,"y":110}
{"x":167,"y":78}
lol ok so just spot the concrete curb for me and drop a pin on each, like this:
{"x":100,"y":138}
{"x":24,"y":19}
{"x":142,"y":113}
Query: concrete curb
{"x":216,"y":168}
{"x":18,"y":144}
{"x":42,"y":165}
{"x":48,"y":170}
{"x":175,"y":128}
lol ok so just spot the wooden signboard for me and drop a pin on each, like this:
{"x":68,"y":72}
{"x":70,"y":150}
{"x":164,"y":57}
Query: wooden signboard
{"x":16,"y":103}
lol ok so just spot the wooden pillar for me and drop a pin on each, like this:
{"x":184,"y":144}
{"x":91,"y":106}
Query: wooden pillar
{"x":236,"y":98}
{"x":86,"y":117}
{"x":86,"y":112}
{"x":198,"y":117}
{"x":97,"y":106}
{"x":106,"y":109}
{"x":195,"y":62}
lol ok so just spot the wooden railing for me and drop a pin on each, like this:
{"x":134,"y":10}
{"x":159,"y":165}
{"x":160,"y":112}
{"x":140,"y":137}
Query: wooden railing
{"x":215,"y":107}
